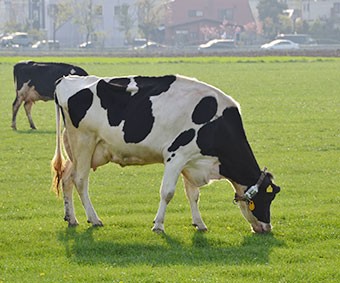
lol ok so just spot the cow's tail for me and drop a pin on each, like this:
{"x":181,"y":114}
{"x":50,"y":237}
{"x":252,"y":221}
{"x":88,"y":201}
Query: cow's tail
{"x":58,"y":161}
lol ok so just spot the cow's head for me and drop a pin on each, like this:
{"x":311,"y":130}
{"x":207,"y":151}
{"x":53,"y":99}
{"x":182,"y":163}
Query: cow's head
{"x":255,"y":201}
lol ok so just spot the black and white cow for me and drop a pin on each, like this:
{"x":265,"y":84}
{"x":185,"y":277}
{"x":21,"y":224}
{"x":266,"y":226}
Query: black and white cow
{"x":36,"y":81}
{"x":191,"y":127}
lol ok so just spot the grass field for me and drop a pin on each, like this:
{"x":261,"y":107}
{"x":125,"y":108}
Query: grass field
{"x":291,"y":113}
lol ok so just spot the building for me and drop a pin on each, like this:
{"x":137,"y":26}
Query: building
{"x":187,"y":21}
{"x":12,"y":12}
{"x":39,"y":15}
{"x":195,"y":21}
{"x":313,"y":10}
{"x":105,"y":28}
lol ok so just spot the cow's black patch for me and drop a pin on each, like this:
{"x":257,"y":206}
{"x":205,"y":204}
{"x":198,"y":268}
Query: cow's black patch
{"x":114,"y":98}
{"x":152,"y":86}
{"x":225,"y":138}
{"x":78,"y":104}
{"x":139,"y":119}
{"x":205,"y":110}
{"x":122,"y":82}
{"x":135,"y":110}
{"x":182,"y":139}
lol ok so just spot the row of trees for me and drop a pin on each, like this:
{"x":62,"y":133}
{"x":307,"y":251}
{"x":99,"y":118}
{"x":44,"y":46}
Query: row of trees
{"x":84,"y":13}
{"x":150,"y":15}
{"x":274,"y":20}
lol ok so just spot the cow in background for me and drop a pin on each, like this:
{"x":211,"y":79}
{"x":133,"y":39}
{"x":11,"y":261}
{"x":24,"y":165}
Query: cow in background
{"x":191,"y":127}
{"x":36,"y":81}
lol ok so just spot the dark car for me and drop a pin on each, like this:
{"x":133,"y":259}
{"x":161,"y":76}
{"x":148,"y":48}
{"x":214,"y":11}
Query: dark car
{"x":17,"y":39}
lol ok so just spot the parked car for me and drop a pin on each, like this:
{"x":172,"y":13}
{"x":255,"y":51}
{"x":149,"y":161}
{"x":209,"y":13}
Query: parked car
{"x":16,"y":39}
{"x":218,"y":44}
{"x":86,"y":45}
{"x":150,"y":45}
{"x":46,"y":45}
{"x":136,"y":42}
{"x":298,"y":38}
{"x":280,"y":44}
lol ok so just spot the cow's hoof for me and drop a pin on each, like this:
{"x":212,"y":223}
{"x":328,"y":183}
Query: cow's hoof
{"x":97,"y":223}
{"x":200,"y":228}
{"x":72,"y":224}
{"x":158,"y":231}
{"x":158,"y":228}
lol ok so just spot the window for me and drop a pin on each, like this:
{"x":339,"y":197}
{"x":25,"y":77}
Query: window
{"x":226,"y":14}
{"x":98,"y":10}
{"x":195,"y":13}
{"x":336,"y":8}
{"x":116,"y":11}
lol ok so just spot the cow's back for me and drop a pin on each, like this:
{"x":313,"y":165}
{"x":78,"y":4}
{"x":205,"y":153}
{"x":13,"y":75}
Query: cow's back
{"x":139,"y":120}
{"x":43,"y":75}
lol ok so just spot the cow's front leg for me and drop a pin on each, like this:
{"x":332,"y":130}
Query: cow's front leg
{"x":28,"y":107}
{"x":167,"y":192}
{"x":193,"y":195}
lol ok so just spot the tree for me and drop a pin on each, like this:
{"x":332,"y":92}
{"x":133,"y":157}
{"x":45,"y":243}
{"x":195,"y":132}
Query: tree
{"x":85,"y":17}
{"x":151,"y":14}
{"x":126,"y":21}
{"x":269,"y":14}
{"x":60,"y":13}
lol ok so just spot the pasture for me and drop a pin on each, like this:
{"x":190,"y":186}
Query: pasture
{"x":291,"y":114}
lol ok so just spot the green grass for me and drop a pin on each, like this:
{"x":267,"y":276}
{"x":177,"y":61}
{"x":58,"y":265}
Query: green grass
{"x":291,"y":112}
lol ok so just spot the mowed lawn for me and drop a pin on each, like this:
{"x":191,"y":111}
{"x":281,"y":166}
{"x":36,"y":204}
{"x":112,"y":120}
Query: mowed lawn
{"x":291,"y":114}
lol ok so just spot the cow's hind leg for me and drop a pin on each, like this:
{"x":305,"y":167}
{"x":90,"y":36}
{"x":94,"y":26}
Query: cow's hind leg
{"x":82,"y":165}
{"x":15,"y":108}
{"x":193,"y":194}
{"x":28,"y":106}
{"x":167,"y":191}
{"x":68,"y":195}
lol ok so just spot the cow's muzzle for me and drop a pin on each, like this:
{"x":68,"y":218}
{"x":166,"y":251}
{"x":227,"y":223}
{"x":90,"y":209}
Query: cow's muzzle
{"x":261,"y":227}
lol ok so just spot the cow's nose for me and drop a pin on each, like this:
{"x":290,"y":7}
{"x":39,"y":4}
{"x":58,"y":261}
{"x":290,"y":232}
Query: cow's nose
{"x":262,"y":227}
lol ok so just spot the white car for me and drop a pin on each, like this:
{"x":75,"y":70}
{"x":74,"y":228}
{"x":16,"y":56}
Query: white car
{"x":280,"y":44}
{"x":217,"y":44}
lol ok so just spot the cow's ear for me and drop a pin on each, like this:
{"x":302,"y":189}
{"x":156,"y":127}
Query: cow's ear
{"x":276,"y":189}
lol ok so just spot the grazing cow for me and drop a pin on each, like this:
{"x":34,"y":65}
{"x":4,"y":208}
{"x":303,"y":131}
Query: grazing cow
{"x":36,"y":81}
{"x":189,"y":126}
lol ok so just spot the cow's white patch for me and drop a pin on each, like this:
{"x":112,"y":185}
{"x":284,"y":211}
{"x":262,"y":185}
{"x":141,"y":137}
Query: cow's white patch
{"x":73,"y":71}
{"x":132,"y":86}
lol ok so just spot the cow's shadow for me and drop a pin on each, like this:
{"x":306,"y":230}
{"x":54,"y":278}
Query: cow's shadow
{"x":34,"y":132}
{"x":82,"y":248}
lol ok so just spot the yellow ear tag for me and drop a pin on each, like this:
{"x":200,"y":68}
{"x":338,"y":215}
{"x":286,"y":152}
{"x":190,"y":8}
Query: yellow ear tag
{"x":269,"y":189}
{"x":251,"y":205}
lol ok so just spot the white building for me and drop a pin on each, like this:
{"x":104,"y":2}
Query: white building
{"x":15,"y":11}
{"x":313,"y":10}
{"x":107,"y":31}
{"x":38,"y":15}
